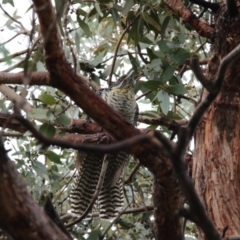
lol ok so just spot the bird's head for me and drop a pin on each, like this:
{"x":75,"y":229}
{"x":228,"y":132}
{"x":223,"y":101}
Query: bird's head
{"x":126,"y":81}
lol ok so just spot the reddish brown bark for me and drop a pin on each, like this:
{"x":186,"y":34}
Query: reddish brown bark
{"x":168,"y":200}
{"x":216,"y":166}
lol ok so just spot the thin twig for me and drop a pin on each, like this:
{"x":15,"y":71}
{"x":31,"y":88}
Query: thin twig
{"x":65,"y":185}
{"x":144,"y":94}
{"x":16,"y":54}
{"x":135,"y":169}
{"x":117,"y":47}
{"x":194,"y":64}
{"x":141,"y":55}
{"x":17,"y":34}
{"x":115,"y":219}
{"x":67,"y":216}
{"x":67,"y":38}
{"x":12,"y":18}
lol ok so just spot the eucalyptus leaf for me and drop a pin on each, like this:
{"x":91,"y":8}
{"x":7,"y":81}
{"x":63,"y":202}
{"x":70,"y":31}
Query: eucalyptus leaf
{"x":177,"y":89}
{"x":127,"y":6}
{"x":64,"y":120}
{"x":8,"y":1}
{"x":53,"y":157}
{"x":152,"y":84}
{"x":98,"y":59}
{"x":47,"y":99}
{"x":94,"y":235}
{"x":38,"y":113}
{"x":84,"y":26}
{"x":39,"y":168}
{"x":151,"y":21}
{"x":48,"y":130}
{"x":168,"y":73}
{"x":98,"y":9}
{"x":164,"y":100}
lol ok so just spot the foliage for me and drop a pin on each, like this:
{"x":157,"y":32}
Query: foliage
{"x":156,"y":45}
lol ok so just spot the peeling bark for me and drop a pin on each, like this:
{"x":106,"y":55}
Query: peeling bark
{"x":216,"y":165}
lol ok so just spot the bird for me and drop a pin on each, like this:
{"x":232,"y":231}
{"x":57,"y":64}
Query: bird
{"x":121,"y":97}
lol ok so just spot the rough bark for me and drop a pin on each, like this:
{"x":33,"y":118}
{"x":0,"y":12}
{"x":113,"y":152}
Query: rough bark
{"x":168,"y":200}
{"x":216,"y":165}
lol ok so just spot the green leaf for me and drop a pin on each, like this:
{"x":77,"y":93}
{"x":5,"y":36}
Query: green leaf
{"x":181,"y":56}
{"x":60,"y":6}
{"x":77,"y":42}
{"x":164,"y":26}
{"x":38,"y":113}
{"x":8,"y":1}
{"x":168,"y":73}
{"x":53,"y":157}
{"x":94,"y":235}
{"x":156,"y":64}
{"x":125,"y":223}
{"x":98,"y":59}
{"x":134,"y":62}
{"x":84,"y":26}
{"x":98,"y":9}
{"x":127,"y":6}
{"x":47,"y":130}
{"x":177,"y":89}
{"x":151,"y":54}
{"x":152,"y":84}
{"x":115,"y":15}
{"x":151,"y":21}
{"x":164,"y":100}
{"x":133,"y":34}
{"x":64,"y":120}
{"x":47,"y":99}
{"x":163,"y":46}
{"x":39,"y":168}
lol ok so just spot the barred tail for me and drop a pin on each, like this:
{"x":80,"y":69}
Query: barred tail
{"x":85,"y":182}
{"x":111,"y":200}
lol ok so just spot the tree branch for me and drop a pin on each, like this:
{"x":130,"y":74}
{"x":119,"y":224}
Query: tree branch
{"x":37,"y":79}
{"x":201,"y":27}
{"x":194,"y":64}
{"x":173,"y":125}
{"x":115,"y":147}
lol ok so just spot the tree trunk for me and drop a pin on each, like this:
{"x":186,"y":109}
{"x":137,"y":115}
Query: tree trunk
{"x":216,"y":163}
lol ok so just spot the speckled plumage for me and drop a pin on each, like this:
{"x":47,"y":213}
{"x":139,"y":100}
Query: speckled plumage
{"x":121,"y":97}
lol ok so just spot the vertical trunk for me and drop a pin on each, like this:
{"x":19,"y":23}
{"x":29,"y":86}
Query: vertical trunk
{"x":168,"y":200}
{"x":216,"y":164}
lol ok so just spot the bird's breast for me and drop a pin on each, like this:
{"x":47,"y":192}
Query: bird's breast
{"x":123,"y":101}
